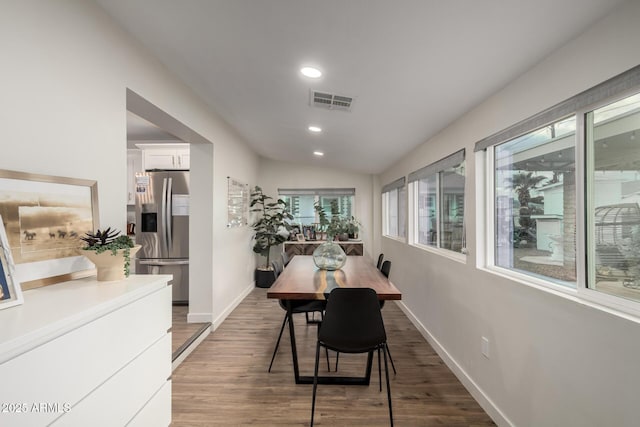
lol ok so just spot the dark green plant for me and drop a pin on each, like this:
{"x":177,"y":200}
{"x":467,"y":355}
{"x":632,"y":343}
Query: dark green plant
{"x":522,"y":183}
{"x":271,"y":228}
{"x":336,"y":224}
{"x":110,"y":240}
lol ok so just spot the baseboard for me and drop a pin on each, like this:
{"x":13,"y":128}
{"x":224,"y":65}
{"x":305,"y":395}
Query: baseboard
{"x":199,"y":318}
{"x":218,"y":321}
{"x":478,"y":394}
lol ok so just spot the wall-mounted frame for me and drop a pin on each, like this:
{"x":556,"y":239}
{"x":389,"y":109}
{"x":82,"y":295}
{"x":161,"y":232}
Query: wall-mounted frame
{"x":10,"y":292}
{"x":43,"y":217}
{"x":237,"y":203}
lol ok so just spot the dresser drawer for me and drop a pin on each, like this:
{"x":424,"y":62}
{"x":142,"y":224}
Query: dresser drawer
{"x":65,"y":370}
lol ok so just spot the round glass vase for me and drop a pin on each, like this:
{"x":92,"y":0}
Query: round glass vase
{"x":329,"y":256}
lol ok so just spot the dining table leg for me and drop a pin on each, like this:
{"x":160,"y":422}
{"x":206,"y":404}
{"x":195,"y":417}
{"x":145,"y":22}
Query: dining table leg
{"x":292,"y":335}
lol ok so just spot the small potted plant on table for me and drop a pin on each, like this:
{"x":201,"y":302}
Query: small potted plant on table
{"x":110,"y":252}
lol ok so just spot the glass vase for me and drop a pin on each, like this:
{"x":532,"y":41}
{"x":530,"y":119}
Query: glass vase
{"x":329,"y":256}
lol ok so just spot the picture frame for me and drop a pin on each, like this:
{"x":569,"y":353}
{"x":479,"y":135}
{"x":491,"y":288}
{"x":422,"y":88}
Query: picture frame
{"x":44,"y":217}
{"x":300,"y":237}
{"x":10,"y":290}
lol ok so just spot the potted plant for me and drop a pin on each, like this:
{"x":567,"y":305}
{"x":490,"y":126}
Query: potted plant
{"x":110,"y":252}
{"x":353,"y":227}
{"x":271,"y":229}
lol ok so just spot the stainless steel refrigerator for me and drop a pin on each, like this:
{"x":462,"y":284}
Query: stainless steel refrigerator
{"x":162,"y":228}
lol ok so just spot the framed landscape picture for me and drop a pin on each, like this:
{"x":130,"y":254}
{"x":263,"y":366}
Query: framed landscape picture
{"x":43,"y":218}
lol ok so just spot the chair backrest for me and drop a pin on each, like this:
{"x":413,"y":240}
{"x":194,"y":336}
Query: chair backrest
{"x":285,"y":259}
{"x":352,"y":321}
{"x":386,"y":268}
{"x":277,"y":268}
{"x":380,"y":258}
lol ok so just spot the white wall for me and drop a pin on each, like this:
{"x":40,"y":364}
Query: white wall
{"x":553,"y":361}
{"x":66,"y":68}
{"x":275,"y":174}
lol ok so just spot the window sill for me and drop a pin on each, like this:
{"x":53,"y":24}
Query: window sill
{"x":396,"y":238}
{"x":456,"y":256}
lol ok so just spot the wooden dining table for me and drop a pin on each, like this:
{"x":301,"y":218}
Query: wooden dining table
{"x":301,"y":279}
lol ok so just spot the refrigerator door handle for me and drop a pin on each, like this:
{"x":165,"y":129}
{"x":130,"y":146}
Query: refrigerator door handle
{"x":169,"y":215}
{"x":164,"y":210}
{"x":161,"y":263}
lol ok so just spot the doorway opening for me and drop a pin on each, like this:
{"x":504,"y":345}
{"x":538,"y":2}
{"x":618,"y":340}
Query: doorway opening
{"x":150,"y":127}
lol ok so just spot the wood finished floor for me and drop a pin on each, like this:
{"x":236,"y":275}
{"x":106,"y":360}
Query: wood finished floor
{"x":225,"y":382}
{"x":181,"y":331}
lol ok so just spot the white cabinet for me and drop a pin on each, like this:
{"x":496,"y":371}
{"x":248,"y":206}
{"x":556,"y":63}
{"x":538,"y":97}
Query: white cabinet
{"x":83,"y":353}
{"x":173,"y":156}
{"x":134,"y":166}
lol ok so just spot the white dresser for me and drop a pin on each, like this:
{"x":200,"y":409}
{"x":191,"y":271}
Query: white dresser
{"x":88,"y":353}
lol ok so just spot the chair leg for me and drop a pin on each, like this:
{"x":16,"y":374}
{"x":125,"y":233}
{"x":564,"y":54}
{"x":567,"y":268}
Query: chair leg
{"x":275,"y":350}
{"x":386,"y":372}
{"x":337,"y":357}
{"x":391,"y":359}
{"x":315,"y":382}
{"x":326,"y":350}
{"x":379,"y":370}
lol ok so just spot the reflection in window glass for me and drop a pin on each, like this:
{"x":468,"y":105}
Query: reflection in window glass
{"x":535,"y":203}
{"x":613,"y":152}
{"x":452,"y":212}
{"x":395,"y":212}
{"x":304,"y":213}
{"x":439,"y":209}
{"x":427,"y":211}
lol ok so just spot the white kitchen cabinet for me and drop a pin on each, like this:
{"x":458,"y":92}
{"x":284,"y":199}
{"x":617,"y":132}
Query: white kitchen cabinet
{"x":134,"y":166}
{"x":88,"y":353}
{"x":165,"y":156}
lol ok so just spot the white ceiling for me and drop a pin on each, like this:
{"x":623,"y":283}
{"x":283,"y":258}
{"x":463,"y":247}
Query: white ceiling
{"x":412,"y":66}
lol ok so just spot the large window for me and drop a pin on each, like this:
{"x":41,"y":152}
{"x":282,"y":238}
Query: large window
{"x":613,"y":197}
{"x":301,"y":203}
{"x":563,"y":196}
{"x":394,"y":213}
{"x":437,"y":194}
{"x":534,"y":202}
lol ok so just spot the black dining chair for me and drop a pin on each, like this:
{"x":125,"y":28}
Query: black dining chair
{"x":297,"y":306}
{"x":385,"y":269}
{"x":352,"y":324}
{"x":379,"y":264}
{"x":286,"y":259}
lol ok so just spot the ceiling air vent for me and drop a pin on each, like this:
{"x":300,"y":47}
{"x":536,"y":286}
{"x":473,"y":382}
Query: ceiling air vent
{"x":331,"y":101}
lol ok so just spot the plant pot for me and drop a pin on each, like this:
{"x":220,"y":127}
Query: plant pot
{"x":264,"y":278}
{"x":110,"y":267}
{"x":329,"y":256}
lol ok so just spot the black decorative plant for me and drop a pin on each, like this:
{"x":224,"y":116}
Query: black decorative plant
{"x":110,"y":240}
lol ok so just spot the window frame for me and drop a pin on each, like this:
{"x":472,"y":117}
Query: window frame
{"x":413,"y":197}
{"x":613,"y":90}
{"x":318,"y":194}
{"x":397,"y":186}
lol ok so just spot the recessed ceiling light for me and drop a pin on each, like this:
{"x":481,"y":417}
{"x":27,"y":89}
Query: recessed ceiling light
{"x":314,"y":73}
{"x":315,"y":129}
{"x":318,"y":153}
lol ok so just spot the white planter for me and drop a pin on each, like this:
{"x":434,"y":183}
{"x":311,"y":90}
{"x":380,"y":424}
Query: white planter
{"x":110,"y":266}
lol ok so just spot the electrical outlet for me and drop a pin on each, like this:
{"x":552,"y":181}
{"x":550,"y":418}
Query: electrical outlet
{"x":485,"y":347}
